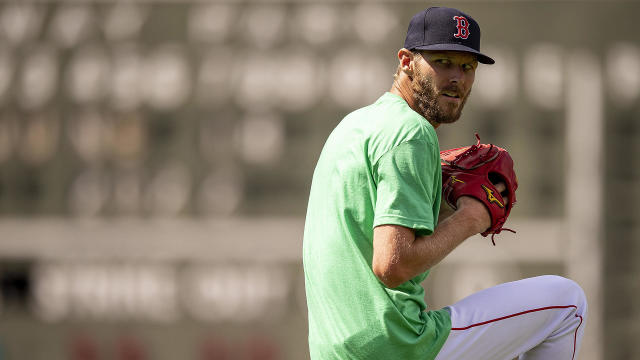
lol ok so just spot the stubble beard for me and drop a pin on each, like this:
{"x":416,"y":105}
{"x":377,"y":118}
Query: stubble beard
{"x":426,"y":99}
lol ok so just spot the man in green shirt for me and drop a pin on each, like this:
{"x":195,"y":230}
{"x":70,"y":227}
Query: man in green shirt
{"x":372,"y":229}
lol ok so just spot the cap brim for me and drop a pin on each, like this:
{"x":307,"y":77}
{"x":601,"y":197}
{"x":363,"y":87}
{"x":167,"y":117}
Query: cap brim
{"x":482,"y":58}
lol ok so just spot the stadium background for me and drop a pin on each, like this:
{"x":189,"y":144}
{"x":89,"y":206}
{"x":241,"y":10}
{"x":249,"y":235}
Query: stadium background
{"x":156,"y":156}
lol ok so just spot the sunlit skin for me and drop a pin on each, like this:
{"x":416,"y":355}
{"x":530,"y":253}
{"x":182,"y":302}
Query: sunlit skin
{"x":435,"y":84}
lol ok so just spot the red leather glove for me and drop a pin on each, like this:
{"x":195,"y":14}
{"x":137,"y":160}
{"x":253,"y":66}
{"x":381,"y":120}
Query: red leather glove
{"x":473,"y":171}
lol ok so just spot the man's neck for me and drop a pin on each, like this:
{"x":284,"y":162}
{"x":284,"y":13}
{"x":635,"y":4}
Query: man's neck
{"x":402,"y":89}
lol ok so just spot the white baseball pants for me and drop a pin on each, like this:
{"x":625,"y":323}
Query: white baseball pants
{"x":540,"y":318}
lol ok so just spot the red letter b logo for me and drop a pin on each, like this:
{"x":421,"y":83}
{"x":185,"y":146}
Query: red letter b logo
{"x":463,"y":27}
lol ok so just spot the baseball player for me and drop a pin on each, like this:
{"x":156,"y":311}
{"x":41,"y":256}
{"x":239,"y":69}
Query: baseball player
{"x":374,"y":225}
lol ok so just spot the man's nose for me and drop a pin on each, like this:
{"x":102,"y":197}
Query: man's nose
{"x":456,"y":75}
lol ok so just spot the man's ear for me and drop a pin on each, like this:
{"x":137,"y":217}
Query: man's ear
{"x":405,"y":57}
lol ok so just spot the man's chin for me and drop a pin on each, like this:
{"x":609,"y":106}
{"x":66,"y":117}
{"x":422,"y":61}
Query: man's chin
{"x":446,"y":121}
{"x":450,"y":115}
{"x":448,"y":118}
{"x":440,"y":117}
{"x":437,"y":111}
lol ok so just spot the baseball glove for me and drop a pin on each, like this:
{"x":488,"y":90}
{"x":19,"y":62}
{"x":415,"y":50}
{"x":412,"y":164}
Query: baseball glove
{"x":473,"y":171}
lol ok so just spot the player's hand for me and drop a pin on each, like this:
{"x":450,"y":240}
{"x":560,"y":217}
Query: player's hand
{"x":477,"y":211}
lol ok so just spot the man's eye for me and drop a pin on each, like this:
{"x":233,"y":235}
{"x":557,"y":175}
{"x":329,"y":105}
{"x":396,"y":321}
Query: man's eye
{"x":467,"y":67}
{"x":443,"y":61}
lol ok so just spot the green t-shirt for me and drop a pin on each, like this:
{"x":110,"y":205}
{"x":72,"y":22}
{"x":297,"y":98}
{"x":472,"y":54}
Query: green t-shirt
{"x":380,"y":165}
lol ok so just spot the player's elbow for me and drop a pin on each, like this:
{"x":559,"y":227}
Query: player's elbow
{"x":392,"y":254}
{"x":390,"y":274}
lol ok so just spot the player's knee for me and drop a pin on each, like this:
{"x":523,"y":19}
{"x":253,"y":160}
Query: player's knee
{"x":581,"y":298}
{"x":568,"y":290}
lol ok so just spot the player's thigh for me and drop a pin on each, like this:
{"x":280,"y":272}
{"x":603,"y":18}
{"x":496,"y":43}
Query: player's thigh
{"x":509,"y":319}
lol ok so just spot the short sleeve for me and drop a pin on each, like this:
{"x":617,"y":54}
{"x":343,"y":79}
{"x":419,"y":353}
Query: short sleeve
{"x":405,"y":177}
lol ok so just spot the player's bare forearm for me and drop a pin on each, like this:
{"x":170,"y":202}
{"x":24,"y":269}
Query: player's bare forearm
{"x":398,"y":255}
{"x":450,"y":232}
{"x":445,"y":211}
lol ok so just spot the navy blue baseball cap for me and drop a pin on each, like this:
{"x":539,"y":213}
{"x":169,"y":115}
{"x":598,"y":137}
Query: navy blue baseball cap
{"x":442,"y":28}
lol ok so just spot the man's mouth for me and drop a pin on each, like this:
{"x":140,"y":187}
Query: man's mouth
{"x":451,"y":94}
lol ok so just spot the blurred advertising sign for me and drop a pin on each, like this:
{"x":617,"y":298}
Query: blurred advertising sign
{"x":160,"y":292}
